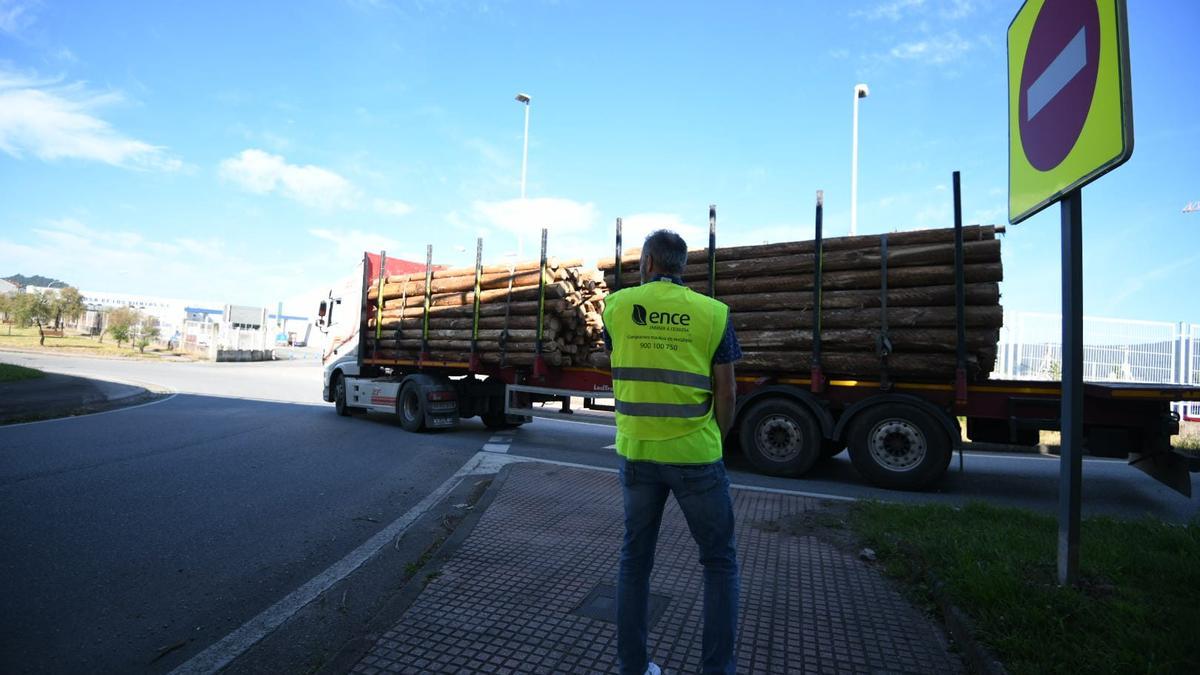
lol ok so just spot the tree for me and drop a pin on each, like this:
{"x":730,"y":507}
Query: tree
{"x":6,"y":308}
{"x":147,"y":332}
{"x":121,"y":322}
{"x":32,"y":309}
{"x":68,"y":305}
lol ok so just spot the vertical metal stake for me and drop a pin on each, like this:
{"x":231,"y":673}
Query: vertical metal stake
{"x":428,"y":300}
{"x":712,"y":250}
{"x":818,"y":376}
{"x":1071,"y":459}
{"x":379,"y":297}
{"x":960,"y":314}
{"x":474,"y":359}
{"x":617,"y":261}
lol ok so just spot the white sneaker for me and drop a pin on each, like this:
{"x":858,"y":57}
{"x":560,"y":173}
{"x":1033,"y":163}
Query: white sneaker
{"x":653,"y":669}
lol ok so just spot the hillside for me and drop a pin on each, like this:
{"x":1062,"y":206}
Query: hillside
{"x":35,"y":280}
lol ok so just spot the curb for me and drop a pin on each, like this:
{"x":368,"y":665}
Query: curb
{"x":979,"y":658}
{"x":398,"y":605}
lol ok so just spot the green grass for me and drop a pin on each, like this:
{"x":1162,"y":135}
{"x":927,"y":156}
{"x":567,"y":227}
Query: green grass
{"x":1136,"y":609}
{"x":28,"y":339}
{"x":11,"y":373}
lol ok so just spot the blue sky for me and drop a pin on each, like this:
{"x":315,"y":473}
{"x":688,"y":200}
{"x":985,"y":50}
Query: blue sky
{"x":248,"y":152}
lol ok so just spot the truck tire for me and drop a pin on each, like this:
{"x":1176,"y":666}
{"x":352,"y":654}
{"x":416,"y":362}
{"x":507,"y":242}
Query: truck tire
{"x":495,"y":418}
{"x":899,"y":447}
{"x":498,"y":420}
{"x":780,"y":437}
{"x":339,"y":395}
{"x":410,"y":407}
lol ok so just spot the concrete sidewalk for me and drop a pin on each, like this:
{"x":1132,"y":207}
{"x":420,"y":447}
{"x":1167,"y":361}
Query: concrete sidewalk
{"x":55,"y":394}
{"x":530,"y":589}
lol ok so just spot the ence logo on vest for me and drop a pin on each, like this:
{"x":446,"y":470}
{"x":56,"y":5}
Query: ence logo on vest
{"x":641,"y":317}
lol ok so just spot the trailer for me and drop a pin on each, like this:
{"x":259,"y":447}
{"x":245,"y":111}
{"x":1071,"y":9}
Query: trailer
{"x":900,"y":434}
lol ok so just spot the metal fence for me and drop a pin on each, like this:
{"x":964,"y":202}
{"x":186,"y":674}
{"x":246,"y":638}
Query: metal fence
{"x":1114,"y":350}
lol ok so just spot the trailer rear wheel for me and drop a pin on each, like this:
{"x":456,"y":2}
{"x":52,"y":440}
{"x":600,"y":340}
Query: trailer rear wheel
{"x":780,"y":437}
{"x":899,"y":447}
{"x":339,"y":395}
{"x":498,"y":420}
{"x":410,"y":407}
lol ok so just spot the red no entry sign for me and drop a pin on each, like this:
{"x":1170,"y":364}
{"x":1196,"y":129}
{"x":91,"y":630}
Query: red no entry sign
{"x":1069,"y":110}
{"x":1058,"y":80}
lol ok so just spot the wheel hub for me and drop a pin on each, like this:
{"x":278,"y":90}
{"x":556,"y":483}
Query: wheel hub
{"x":779,"y":438}
{"x":897,"y":445}
{"x":411,"y":409}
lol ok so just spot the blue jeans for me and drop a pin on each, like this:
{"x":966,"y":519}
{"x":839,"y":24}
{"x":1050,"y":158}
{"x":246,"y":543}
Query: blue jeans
{"x":702,"y":491}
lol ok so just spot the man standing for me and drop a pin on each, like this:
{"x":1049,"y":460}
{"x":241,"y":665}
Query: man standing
{"x":672,"y":369}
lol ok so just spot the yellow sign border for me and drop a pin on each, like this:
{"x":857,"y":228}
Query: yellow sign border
{"x":1106,"y":140}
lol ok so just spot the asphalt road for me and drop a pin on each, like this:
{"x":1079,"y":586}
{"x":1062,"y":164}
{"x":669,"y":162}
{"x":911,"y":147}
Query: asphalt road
{"x":170,"y":525}
{"x":134,"y":540}
{"x":1110,"y":487}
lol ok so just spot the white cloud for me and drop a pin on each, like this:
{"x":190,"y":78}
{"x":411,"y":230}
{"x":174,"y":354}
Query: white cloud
{"x":892,"y":10}
{"x":529,"y":216}
{"x":635,"y":228}
{"x":262,"y":173}
{"x":958,"y":9}
{"x":52,"y":121}
{"x":935,"y":51}
{"x":390,"y":207}
{"x":188,"y":267}
{"x":15,"y":15}
{"x":349,"y":244}
{"x":1135,"y":284}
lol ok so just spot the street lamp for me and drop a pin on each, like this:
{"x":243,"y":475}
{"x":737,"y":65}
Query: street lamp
{"x":860,"y":91}
{"x":524,"y":99}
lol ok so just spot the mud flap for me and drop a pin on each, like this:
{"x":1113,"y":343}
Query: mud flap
{"x":1167,"y":467}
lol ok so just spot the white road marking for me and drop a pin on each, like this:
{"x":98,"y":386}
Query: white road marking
{"x":501,"y":438}
{"x":610,"y":447}
{"x":224,"y":651}
{"x":1069,"y":62}
{"x":495,"y":447}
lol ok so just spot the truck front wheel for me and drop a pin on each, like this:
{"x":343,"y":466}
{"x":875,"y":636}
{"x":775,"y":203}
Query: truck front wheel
{"x":899,"y":447}
{"x":410,"y":407}
{"x":339,"y":395}
{"x":780,"y":437}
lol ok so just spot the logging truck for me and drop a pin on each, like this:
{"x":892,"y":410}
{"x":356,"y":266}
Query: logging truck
{"x":900,"y":426}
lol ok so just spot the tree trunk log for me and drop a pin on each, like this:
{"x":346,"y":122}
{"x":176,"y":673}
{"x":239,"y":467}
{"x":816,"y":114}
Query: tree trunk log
{"x":915,"y":237}
{"x":529,"y":307}
{"x":552,"y":263}
{"x":898,"y":317}
{"x":898,"y":277}
{"x":921,"y":296}
{"x":933,"y":340}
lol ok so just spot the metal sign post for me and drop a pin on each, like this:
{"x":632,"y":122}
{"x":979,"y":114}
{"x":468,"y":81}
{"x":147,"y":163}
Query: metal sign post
{"x":1070,"y":463}
{"x":1070,"y":120}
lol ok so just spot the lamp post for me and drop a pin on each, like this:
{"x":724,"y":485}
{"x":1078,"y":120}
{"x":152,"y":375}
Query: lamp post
{"x":860,"y":91}
{"x":524,"y":99}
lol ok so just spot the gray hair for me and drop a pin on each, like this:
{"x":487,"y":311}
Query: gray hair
{"x":668,"y":251}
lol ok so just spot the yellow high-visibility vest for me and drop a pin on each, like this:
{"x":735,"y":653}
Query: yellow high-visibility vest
{"x":663,"y":339}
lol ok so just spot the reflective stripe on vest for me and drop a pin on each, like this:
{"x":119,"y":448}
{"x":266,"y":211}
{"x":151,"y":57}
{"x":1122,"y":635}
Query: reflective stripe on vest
{"x":663,"y":409}
{"x":663,"y":375}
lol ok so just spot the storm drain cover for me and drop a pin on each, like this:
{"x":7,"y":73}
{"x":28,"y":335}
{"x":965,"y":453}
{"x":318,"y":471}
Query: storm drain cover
{"x":601,"y":604}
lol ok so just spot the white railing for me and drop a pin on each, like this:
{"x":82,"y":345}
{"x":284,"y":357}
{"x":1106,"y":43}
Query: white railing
{"x":1114,"y":350}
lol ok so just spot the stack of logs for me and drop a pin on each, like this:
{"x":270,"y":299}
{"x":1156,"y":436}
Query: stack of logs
{"x":769,"y":290}
{"x":508,"y":315}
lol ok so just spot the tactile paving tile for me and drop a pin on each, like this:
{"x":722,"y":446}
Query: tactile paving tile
{"x":506,"y":601}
